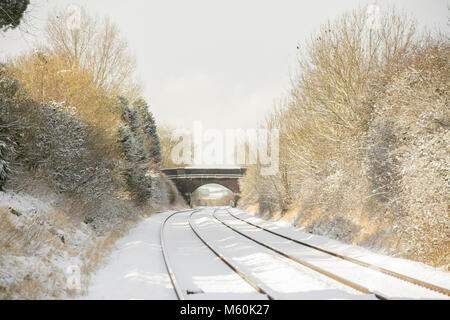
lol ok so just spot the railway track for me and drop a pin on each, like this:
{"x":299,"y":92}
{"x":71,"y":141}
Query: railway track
{"x":321,"y":271}
{"x":264,"y":291}
{"x":183,"y":293}
{"x":254,"y":284}
{"x":399,"y":276}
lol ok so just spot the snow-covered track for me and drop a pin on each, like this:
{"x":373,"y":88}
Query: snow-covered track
{"x":178,"y":290}
{"x":235,"y":268}
{"x":323,"y":272}
{"x":275,"y":275}
{"x":194,"y":268}
{"x":215,"y":253}
{"x":384,"y":271}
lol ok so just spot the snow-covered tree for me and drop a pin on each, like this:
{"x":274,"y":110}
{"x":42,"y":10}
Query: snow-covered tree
{"x":11,"y":12}
{"x":150,"y":130}
{"x":3,"y":166}
{"x":8,"y":88}
{"x":130,"y":134}
{"x":132,"y":140}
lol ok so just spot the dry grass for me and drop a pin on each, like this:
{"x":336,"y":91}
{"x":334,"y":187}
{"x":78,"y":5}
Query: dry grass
{"x":27,"y":246}
{"x":34,"y":255}
{"x":25,"y":239}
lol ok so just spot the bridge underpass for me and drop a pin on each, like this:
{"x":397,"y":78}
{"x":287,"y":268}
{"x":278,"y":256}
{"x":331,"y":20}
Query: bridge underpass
{"x":187,"y":180}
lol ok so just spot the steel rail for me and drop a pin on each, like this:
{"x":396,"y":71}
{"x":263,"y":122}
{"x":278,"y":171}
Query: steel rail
{"x":359,"y":262}
{"x":228,"y":263}
{"x":178,"y":291}
{"x":205,"y":176}
{"x":337,"y":278}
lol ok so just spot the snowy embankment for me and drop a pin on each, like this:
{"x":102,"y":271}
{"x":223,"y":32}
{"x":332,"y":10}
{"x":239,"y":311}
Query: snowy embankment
{"x":38,"y":247}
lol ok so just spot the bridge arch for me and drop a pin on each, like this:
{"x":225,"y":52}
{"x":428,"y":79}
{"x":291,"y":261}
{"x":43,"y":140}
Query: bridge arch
{"x":187,"y":180}
{"x":212,"y":194}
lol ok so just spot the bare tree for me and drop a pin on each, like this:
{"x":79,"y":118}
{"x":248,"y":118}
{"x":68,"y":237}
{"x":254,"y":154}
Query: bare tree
{"x":341,"y":70}
{"x":165,"y":133}
{"x":95,"y":45}
{"x":337,"y":67}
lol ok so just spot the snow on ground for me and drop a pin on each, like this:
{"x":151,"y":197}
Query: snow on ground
{"x":197,"y":269}
{"x":403,"y":266}
{"x":32,"y":208}
{"x":278,"y":276}
{"x":371,"y":280}
{"x":34,"y":241}
{"x":24,"y":203}
{"x":136,"y":270}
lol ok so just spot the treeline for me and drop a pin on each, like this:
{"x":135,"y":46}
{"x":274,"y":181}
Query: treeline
{"x":363,"y":138}
{"x":79,"y":155}
{"x":73,"y":124}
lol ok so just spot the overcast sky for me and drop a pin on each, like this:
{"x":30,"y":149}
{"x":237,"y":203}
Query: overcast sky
{"x":220,"y":61}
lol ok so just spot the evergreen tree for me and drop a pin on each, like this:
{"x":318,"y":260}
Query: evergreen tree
{"x":132,"y":141}
{"x":3,"y":166}
{"x":130,"y":136}
{"x":11,"y":12}
{"x":150,"y":130}
{"x":8,"y":88}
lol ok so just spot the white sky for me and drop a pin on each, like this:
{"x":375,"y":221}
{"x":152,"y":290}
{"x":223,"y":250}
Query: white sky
{"x":223,"y":62}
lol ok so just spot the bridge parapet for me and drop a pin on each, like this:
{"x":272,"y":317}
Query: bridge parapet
{"x":238,"y":172}
{"x":189,"y":179}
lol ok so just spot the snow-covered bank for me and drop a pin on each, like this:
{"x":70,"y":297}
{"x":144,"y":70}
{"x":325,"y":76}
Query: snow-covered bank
{"x":135,"y":270}
{"x":38,"y":244}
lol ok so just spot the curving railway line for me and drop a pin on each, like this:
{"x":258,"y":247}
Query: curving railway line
{"x":204,"y":267}
{"x":214,"y":253}
{"x":385,"y":271}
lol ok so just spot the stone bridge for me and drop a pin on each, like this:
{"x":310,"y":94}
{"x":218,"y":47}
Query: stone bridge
{"x":187,"y":180}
